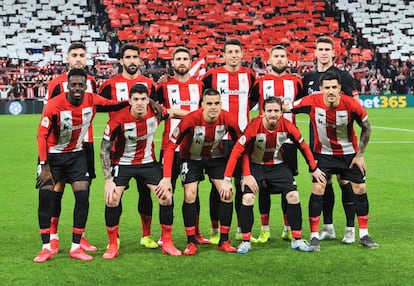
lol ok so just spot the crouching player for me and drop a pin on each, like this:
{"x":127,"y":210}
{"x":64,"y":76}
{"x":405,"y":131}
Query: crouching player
{"x":261,"y":142}
{"x":130,"y":135}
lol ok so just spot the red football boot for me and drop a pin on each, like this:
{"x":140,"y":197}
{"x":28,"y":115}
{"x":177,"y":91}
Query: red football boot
{"x":111,"y":252}
{"x":54,"y":245}
{"x":78,"y":253}
{"x":85,"y":245}
{"x":191,"y":249}
{"x":226,"y":247}
{"x":43,"y":255}
{"x":169,"y":248}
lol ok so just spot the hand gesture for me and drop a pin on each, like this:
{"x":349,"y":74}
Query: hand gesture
{"x":360,"y":163}
{"x":250,"y":182}
{"x":44,"y":176}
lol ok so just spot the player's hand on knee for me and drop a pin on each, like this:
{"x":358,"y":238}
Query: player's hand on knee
{"x":319,"y":176}
{"x":359,"y":161}
{"x":45,"y":175}
{"x":250,"y":182}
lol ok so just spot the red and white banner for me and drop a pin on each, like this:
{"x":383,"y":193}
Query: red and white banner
{"x":197,"y":68}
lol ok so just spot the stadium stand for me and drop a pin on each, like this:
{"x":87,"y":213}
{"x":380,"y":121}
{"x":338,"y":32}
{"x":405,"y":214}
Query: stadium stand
{"x":373,"y":38}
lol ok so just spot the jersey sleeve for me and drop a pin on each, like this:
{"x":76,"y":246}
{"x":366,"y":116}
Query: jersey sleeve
{"x":159,"y":94}
{"x":104,"y":104}
{"x":349,"y":86}
{"x":301,"y":105}
{"x":105,"y":90}
{"x":43,"y":132}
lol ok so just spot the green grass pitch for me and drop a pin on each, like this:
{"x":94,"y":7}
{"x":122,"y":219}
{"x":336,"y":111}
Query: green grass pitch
{"x":390,"y":161}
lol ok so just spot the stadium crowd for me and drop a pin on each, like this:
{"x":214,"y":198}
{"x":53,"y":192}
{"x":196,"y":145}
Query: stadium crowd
{"x":380,"y":75}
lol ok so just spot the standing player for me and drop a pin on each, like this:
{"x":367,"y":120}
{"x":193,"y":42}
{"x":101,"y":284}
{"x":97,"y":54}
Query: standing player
{"x":277,"y":83}
{"x":76,"y":58}
{"x":234,"y":82}
{"x":65,"y":122}
{"x":180,"y":92}
{"x":129,"y":136}
{"x":117,"y":88}
{"x":199,"y":136}
{"x":324,"y":53}
{"x":332,"y":116}
{"x":263,"y":162}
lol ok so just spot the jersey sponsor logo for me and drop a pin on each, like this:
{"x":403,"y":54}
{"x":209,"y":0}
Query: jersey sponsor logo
{"x":45,"y":122}
{"x":183,"y":102}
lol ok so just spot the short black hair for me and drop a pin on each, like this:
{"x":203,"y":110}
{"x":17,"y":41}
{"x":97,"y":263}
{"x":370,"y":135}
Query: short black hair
{"x":329,"y":75}
{"x":81,"y":72}
{"x":138,"y":88}
{"x":76,"y":45}
{"x":232,"y":41}
{"x":128,"y":47}
{"x":272,"y":99}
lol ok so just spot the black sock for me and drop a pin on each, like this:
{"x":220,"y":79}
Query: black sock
{"x":80,"y":213}
{"x":315,"y":205}
{"x":328,"y":204}
{"x":238,"y":198}
{"x":294,"y":215}
{"x":264,"y":201}
{"x":166,"y":215}
{"x":189,"y":214}
{"x":214,"y":203}
{"x":225,"y":214}
{"x":43,"y":213}
{"x":56,"y":204}
{"x":113,"y":215}
{"x":246,"y":218}
{"x":144,"y":199}
{"x":361,"y":204}
{"x":348,"y":204}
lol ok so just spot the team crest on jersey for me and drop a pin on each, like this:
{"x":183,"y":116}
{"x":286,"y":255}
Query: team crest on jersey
{"x":242,"y":140}
{"x":45,"y":122}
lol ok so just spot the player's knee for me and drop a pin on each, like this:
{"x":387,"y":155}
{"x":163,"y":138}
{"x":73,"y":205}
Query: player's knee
{"x":293,"y":197}
{"x":359,"y":189}
{"x":248,"y":199}
{"x":318,"y":189}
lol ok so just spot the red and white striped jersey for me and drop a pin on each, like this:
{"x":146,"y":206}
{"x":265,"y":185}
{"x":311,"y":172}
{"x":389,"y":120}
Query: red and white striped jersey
{"x":64,"y":126}
{"x":175,"y":94}
{"x":234,"y":88}
{"x":117,"y":87}
{"x":133,"y":138}
{"x":287,"y":87}
{"x":59,"y":85}
{"x":198,"y":139}
{"x":333,"y":128}
{"x":264,"y":147}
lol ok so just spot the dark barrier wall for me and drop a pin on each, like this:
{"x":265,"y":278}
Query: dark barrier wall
{"x":16,"y":107}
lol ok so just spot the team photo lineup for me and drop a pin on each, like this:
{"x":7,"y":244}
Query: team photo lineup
{"x":208,"y":136}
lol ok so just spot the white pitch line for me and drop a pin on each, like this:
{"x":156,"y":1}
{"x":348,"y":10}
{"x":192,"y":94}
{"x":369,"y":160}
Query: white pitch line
{"x":391,"y":142}
{"x":394,"y":129}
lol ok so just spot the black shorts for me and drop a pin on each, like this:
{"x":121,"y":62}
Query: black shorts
{"x":227,"y":147}
{"x":290,"y":156}
{"x":150,"y":173}
{"x":68,"y":167}
{"x":90,"y":158}
{"x":278,"y":178}
{"x":193,"y":170}
{"x":330,"y":164}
